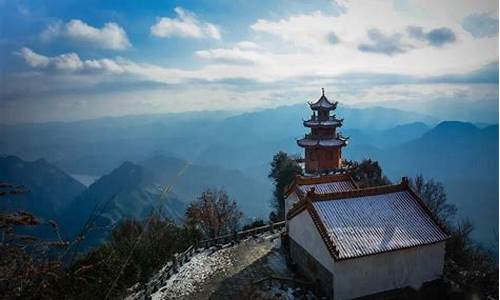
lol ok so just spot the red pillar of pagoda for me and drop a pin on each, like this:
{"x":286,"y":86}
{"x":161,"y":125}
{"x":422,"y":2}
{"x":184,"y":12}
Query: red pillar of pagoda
{"x":323,"y":145}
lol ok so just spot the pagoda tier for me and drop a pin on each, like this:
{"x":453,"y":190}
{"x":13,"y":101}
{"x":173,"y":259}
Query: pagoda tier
{"x":323,"y":145}
{"x":323,"y":104}
{"x":311,"y":142}
{"x":316,"y":122}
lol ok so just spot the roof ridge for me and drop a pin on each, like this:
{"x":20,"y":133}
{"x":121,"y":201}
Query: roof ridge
{"x":307,"y":204}
{"x":311,"y":196}
{"x":424,"y":206}
{"x":306,"y":180}
{"x":302,"y":180}
{"x":319,"y":103}
{"x":361,"y":192}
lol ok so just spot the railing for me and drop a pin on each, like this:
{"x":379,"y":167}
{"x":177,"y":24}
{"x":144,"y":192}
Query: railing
{"x":180,"y":259}
{"x":241,"y":234}
{"x":318,"y":118}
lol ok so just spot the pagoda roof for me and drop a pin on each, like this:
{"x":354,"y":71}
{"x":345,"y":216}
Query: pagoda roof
{"x":369,"y":221}
{"x":331,"y":122}
{"x":323,"y":103}
{"x":309,"y":141}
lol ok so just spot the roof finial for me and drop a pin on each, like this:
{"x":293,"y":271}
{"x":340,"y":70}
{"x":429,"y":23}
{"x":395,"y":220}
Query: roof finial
{"x":322,"y":91}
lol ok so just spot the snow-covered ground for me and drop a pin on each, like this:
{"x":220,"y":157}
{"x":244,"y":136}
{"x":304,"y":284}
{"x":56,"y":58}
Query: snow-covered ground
{"x":232,"y":271}
{"x":195,"y":273}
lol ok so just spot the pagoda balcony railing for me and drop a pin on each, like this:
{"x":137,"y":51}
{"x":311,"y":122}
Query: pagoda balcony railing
{"x":317,"y":118}
{"x":317,"y":137}
{"x":323,"y":137}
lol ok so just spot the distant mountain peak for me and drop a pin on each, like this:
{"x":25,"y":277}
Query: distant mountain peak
{"x":455,"y":125}
{"x":50,"y":189}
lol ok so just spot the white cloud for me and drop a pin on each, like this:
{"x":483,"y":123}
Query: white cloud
{"x":34,"y":59}
{"x":248,"y":45}
{"x":110,"y":36}
{"x":303,"y":43}
{"x":185,"y":25}
{"x":305,"y":48}
{"x":282,"y":61}
{"x":69,"y":62}
{"x":242,"y":52}
{"x":307,"y":31}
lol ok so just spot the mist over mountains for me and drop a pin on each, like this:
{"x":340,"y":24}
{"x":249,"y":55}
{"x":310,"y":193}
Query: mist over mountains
{"x":50,"y":190}
{"x":138,"y":155}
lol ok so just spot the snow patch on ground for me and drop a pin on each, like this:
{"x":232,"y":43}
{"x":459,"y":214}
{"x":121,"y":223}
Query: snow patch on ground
{"x":230,"y":272}
{"x":192,"y":274}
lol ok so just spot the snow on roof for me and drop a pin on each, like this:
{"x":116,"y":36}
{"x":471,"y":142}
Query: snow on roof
{"x":322,"y":184}
{"x":332,"y":142}
{"x":325,"y":123}
{"x":367,"y":225}
{"x":328,"y":187}
{"x":310,"y":142}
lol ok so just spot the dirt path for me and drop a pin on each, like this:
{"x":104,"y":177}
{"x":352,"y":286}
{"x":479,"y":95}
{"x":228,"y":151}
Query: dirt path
{"x":226,"y":273}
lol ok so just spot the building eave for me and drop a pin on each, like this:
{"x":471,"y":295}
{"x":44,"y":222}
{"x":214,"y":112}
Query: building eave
{"x":306,"y":204}
{"x":308,"y":180}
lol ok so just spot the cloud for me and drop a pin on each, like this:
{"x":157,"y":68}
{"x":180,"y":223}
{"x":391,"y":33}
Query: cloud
{"x":231,"y":55}
{"x":483,"y":75}
{"x":185,"y":25}
{"x":96,"y":69}
{"x":333,"y":38}
{"x":486,"y":74}
{"x":435,"y":37}
{"x":309,"y":31}
{"x":248,"y":45}
{"x":384,"y":44}
{"x":480,"y":25}
{"x":68,"y":62}
{"x":110,"y":36}
{"x":34,"y":59}
{"x":244,"y":52}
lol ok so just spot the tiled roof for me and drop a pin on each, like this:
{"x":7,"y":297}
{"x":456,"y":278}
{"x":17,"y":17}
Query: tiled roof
{"x":331,"y":122}
{"x":323,"y":184}
{"x":311,"y":142}
{"x":323,"y":103}
{"x":328,"y":187}
{"x":370,"y":221}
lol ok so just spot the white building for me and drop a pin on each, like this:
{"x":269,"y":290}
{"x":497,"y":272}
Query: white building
{"x":366,"y":241}
{"x":356,"y":242}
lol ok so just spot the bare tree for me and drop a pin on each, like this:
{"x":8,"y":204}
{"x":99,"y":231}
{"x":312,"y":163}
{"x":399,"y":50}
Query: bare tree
{"x":213,"y":213}
{"x":434,"y":195}
{"x":468,"y":264}
{"x":28,"y":264}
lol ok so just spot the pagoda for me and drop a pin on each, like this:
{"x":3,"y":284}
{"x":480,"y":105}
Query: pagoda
{"x":323,"y":145}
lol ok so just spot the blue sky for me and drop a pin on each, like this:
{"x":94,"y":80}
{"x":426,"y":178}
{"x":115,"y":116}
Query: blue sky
{"x":68,"y":60}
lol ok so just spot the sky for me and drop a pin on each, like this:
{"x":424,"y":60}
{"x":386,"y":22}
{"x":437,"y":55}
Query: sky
{"x":70,"y":60}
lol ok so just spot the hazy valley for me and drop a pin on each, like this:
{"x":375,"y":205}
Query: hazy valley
{"x":133,"y":158}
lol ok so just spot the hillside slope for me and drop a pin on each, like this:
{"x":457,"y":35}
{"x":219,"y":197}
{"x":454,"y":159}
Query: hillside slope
{"x":134,"y":189}
{"x":50,"y":190}
{"x":465,"y":159}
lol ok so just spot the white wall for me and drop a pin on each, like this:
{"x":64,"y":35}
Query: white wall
{"x":290,"y":200}
{"x":386,"y":271}
{"x":369,"y":274}
{"x":303,"y":231}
